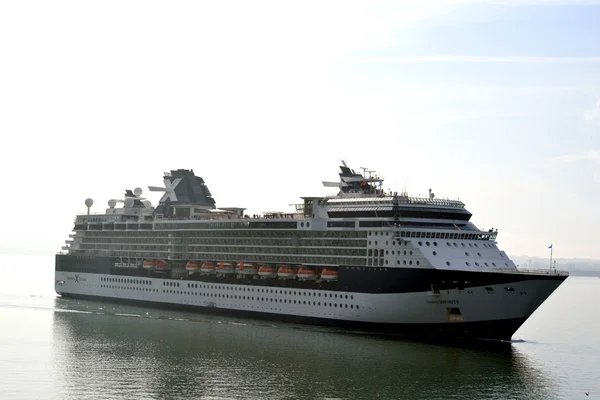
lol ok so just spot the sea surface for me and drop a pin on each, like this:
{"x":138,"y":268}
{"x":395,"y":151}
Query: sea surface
{"x":53,"y":348}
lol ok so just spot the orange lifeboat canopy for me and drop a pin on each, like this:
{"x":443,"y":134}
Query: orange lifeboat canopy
{"x":329,"y":275}
{"x":305,"y":274}
{"x":149,"y":264}
{"x":246,"y":268}
{"x":208,"y":268}
{"x":161,"y":264}
{"x":225,"y":268}
{"x":286,"y":272}
{"x":266,"y":271}
{"x":192,"y":266}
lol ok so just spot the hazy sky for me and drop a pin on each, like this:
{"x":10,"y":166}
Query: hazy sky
{"x":493,"y":102}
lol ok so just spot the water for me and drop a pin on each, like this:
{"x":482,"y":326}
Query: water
{"x":53,"y":348}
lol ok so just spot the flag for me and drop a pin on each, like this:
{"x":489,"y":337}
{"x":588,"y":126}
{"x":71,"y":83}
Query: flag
{"x":550,"y":246}
{"x":380,"y":183}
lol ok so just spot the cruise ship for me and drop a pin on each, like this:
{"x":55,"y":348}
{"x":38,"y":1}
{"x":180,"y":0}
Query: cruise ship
{"x":364,"y":258}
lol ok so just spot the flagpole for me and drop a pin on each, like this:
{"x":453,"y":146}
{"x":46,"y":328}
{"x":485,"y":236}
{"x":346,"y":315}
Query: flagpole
{"x":551,"y":257}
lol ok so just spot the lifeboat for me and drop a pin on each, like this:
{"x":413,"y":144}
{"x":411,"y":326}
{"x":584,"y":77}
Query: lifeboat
{"x":225,"y":268}
{"x":192,"y":266}
{"x":245,"y":268}
{"x":306,"y":274}
{"x":329,"y":275}
{"x":149,"y":264}
{"x":208,"y":268}
{"x":266,"y":271}
{"x":161,"y":265}
{"x":286,"y":272}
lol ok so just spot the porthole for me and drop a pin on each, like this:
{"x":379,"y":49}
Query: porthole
{"x":393,"y":243}
{"x":462,"y":244}
{"x":427,"y":243}
{"x":467,"y":263}
{"x":470,"y":244}
{"x":410,"y":262}
{"x":448,"y":263}
{"x":435,"y":243}
{"x":466,"y":254}
{"x":448,"y":243}
{"x":476,"y":263}
{"x":308,"y":224}
{"x":398,"y":262}
{"x":387,"y":252}
{"x":418,"y":262}
{"x":494,"y":264}
{"x":386,"y":261}
{"x":420,"y":243}
{"x":434,"y":253}
{"x":455,"y":245}
{"x":479,"y":254}
{"x":410,"y":252}
{"x":302,"y":224}
{"x":404,"y":262}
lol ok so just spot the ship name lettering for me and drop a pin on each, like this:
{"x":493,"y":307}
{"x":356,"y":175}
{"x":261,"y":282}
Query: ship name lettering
{"x":441,"y":301}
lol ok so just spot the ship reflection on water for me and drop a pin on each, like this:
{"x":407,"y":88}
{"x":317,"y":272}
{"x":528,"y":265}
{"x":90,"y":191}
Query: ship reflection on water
{"x":129,"y":352}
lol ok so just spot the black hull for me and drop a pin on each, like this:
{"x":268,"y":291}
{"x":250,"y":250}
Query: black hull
{"x":487,"y":330}
{"x":351,"y":279}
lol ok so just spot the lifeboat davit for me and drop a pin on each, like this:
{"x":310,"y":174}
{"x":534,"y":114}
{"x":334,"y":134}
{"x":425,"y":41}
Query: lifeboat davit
{"x":266,"y":271}
{"x":208,"y":268}
{"x":192,"y":266}
{"x":286,"y":272}
{"x":149,"y":264}
{"x":306,"y":274}
{"x":225,"y":268}
{"x":245,"y":268}
{"x":329,"y":275}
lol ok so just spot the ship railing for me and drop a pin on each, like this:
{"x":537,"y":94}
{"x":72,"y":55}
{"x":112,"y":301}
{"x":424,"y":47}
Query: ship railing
{"x":538,"y":271}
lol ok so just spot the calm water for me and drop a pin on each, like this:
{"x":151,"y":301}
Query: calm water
{"x":52,"y":348}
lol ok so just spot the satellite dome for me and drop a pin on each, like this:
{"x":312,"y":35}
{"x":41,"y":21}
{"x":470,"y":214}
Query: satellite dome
{"x":89,"y":202}
{"x":112,"y":203}
{"x":147,"y":204}
{"x":129,"y":202}
{"x":137,"y":191}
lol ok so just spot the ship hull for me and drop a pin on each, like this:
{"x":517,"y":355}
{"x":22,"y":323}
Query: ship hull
{"x":501,"y":330}
{"x":494,"y":310}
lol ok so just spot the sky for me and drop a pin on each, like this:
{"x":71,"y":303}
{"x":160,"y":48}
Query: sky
{"x":496,"y":103}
